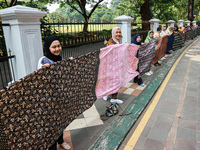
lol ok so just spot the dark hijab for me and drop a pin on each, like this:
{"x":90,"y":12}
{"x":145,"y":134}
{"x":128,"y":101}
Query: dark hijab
{"x":47,"y":44}
{"x":135,"y":38}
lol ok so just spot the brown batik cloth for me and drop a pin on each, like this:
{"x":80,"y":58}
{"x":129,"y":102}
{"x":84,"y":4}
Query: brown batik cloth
{"x":36,"y":109}
{"x":160,"y":52}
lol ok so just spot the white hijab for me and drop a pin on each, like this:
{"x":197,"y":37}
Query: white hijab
{"x":114,"y":31}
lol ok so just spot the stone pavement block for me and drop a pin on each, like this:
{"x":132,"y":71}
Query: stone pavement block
{"x":136,"y":92}
{"x":152,"y":119}
{"x":158,"y":134}
{"x":198,"y":136}
{"x":140,"y":143}
{"x":151,"y":144}
{"x":184,"y":144}
{"x":189,"y":113}
{"x":198,"y":146}
{"x":188,"y":124}
{"x":186,"y":133}
{"x":191,"y":93}
{"x":168,"y":107}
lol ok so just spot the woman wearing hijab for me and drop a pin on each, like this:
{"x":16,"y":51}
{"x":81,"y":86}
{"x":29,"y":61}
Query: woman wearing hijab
{"x":116,"y":36}
{"x":149,"y":36}
{"x":137,"y":41}
{"x":53,"y":48}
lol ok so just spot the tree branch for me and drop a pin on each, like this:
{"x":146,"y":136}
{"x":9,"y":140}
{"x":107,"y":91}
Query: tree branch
{"x":6,"y":3}
{"x":93,"y":9}
{"x":73,"y":7}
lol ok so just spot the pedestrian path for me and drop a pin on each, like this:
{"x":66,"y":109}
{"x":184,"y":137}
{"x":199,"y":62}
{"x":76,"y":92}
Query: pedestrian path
{"x":172,"y":119}
{"x":84,"y":131}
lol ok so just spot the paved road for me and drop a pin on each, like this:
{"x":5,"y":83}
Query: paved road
{"x":172,"y":119}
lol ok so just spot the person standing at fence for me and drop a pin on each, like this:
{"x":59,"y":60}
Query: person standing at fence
{"x":137,"y":41}
{"x":158,"y":37}
{"x":53,"y":48}
{"x":164,"y":30}
{"x":116,"y":36}
{"x":149,"y":38}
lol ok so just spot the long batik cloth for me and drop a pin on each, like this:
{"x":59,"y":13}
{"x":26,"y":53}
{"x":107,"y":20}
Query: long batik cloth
{"x":35,"y":110}
{"x":160,"y":52}
{"x":146,"y":53}
{"x":118,"y":66}
{"x":177,"y":42}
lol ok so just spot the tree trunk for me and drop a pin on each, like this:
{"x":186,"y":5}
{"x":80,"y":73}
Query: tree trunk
{"x":85,"y":27}
{"x":190,"y":10}
{"x":145,"y":13}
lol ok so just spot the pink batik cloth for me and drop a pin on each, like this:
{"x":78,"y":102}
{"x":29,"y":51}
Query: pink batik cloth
{"x":118,"y":66}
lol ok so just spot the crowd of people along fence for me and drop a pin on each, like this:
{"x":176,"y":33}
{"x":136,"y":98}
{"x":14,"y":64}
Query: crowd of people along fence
{"x":37,"y":108}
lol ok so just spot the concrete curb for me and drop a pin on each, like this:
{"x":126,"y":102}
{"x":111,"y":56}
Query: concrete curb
{"x":113,"y":136}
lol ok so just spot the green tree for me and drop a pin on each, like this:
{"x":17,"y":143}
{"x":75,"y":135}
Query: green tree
{"x":82,"y":5}
{"x":70,"y":13}
{"x":102,"y":13}
{"x":7,"y":3}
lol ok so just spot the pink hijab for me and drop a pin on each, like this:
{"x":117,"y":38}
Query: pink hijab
{"x":114,"y":31}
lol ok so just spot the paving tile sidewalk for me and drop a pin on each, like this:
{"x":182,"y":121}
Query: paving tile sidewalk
{"x":85,"y":132}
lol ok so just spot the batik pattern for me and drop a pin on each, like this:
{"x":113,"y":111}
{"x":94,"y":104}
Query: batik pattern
{"x":177,"y":42}
{"x":160,"y":52}
{"x":36,"y":109}
{"x":146,"y":53}
{"x":118,"y":66}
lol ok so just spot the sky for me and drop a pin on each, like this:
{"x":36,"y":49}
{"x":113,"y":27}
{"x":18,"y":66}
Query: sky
{"x":53,"y":7}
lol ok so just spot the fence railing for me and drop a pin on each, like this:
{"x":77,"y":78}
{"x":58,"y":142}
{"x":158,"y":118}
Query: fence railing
{"x":6,"y":75}
{"x":71,"y":32}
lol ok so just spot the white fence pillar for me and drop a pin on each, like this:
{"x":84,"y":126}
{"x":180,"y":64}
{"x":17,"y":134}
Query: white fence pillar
{"x":188,"y":22}
{"x":154,"y":24}
{"x":180,"y":23}
{"x":194,"y":23}
{"x":171,"y":23}
{"x":23,"y":37}
{"x":124,"y":22}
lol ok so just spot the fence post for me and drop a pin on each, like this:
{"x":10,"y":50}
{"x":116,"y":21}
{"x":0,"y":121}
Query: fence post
{"x":171,"y":23}
{"x":23,"y":37}
{"x":124,"y":22}
{"x":194,"y":23}
{"x":154,"y":24}
{"x":188,"y":22}
{"x":180,"y":23}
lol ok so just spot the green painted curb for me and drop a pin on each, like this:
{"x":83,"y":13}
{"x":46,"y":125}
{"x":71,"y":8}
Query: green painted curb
{"x":112,"y":137}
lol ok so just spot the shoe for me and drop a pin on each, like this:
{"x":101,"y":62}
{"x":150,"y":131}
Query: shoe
{"x":142,"y":84}
{"x":105,"y":98}
{"x":148,"y":73}
{"x":151,"y":72}
{"x":116,"y":101}
{"x":162,"y":58}
{"x":65,"y":146}
{"x":160,"y":62}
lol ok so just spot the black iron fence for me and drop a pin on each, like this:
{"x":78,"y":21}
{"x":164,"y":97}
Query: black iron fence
{"x":6,"y":75}
{"x":70,"y":32}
